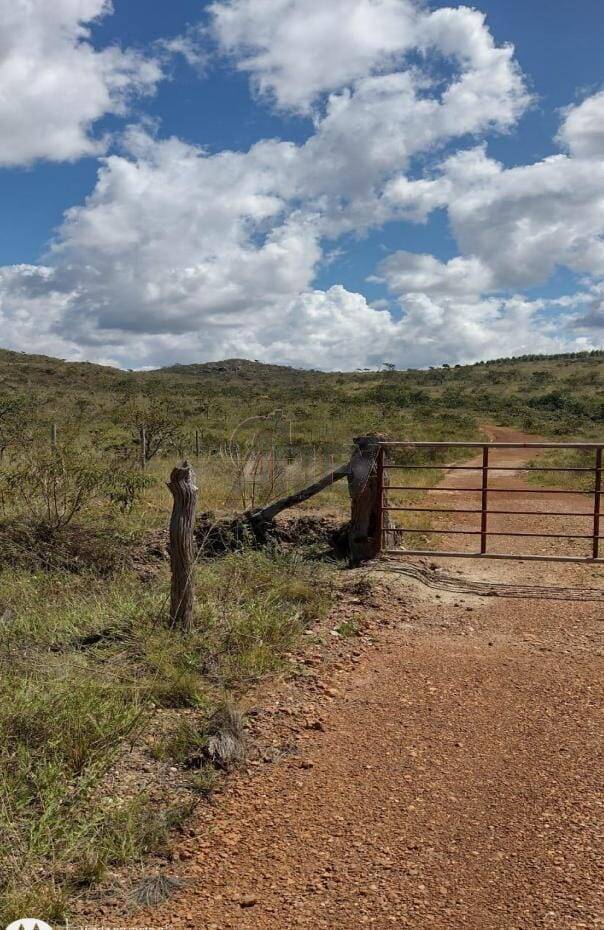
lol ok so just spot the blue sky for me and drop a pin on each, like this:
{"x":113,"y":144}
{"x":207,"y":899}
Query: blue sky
{"x":270,"y":255}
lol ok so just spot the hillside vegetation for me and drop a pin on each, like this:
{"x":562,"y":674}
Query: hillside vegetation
{"x":560,"y":395}
{"x":110,"y":718}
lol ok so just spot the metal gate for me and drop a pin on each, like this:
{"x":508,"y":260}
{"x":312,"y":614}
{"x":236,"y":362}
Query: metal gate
{"x":483,"y":532}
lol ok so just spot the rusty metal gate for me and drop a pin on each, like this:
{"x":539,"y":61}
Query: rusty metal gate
{"x":485,"y":510}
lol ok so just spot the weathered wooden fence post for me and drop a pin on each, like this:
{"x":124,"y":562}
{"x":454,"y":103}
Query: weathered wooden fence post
{"x":366,"y":483}
{"x":182,"y":544}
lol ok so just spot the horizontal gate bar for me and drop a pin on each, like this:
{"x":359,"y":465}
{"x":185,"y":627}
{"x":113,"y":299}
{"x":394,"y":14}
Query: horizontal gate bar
{"x":443,"y":466}
{"x":411,"y":487}
{"x":428,"y":532}
{"x":491,"y":555}
{"x":511,"y":513}
{"x":495,"y":445}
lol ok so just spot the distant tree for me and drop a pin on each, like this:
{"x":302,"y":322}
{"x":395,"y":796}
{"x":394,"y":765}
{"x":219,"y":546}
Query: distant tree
{"x":160,"y":424}
{"x":389,"y":366}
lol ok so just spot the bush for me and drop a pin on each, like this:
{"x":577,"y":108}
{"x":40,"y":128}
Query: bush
{"x":54,"y":485}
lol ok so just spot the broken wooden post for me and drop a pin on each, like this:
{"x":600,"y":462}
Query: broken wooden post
{"x":366,"y":483}
{"x":182,"y":544}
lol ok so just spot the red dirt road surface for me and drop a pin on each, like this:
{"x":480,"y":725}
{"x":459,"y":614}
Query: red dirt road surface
{"x":442,"y":771}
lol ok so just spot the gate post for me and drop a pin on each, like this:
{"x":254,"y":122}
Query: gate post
{"x":366,"y":484}
{"x":484,"y":506}
{"x":597,"y":503}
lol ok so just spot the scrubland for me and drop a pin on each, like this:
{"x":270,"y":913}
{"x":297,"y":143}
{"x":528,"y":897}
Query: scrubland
{"x":90,"y":666}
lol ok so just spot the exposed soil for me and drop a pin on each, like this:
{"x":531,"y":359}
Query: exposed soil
{"x":437,"y":766}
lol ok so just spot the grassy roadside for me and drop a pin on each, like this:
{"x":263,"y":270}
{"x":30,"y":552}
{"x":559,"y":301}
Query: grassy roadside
{"x":90,"y":670}
{"x":568,"y":480}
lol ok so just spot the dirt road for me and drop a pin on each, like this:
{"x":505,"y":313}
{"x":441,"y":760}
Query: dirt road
{"x":443,"y":772}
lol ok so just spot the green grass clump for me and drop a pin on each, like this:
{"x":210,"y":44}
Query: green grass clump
{"x":565,"y":458}
{"x":349,"y":628}
{"x":252,"y":609}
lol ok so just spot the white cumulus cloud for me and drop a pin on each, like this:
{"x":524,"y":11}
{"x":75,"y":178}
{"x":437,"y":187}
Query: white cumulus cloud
{"x":55,"y":85}
{"x":414,"y":273}
{"x":583,"y":128}
{"x":296,"y":50}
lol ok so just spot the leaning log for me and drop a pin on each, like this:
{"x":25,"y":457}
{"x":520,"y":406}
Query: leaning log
{"x":182,"y":544}
{"x":264,"y":515}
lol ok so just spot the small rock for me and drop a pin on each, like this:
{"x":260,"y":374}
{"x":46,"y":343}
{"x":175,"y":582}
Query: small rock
{"x":248,"y":901}
{"x":316,"y":725}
